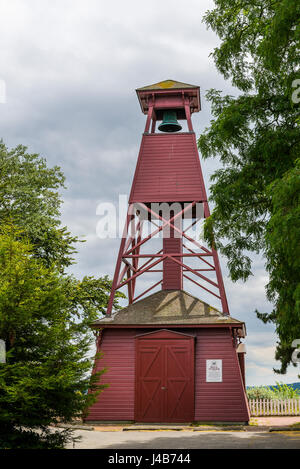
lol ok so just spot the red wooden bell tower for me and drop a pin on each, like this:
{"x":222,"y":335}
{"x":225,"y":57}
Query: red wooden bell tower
{"x":170,"y":356}
{"x":168,"y":174}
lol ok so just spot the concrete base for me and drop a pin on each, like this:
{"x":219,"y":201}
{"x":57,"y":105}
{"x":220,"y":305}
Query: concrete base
{"x":143,"y":425}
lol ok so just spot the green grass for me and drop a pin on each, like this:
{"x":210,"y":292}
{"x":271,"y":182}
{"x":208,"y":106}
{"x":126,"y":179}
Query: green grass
{"x":253,"y":422}
{"x":296,"y":425}
{"x":215,"y":424}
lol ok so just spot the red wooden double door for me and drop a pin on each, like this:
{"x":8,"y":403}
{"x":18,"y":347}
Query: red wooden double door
{"x":164,"y":377}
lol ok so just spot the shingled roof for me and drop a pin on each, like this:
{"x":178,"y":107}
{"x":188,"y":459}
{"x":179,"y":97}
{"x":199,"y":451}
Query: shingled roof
{"x":168,"y":307}
{"x":166,"y":84}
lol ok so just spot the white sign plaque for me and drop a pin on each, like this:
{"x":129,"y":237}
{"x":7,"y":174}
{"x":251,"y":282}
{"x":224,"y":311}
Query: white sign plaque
{"x":213,"y":371}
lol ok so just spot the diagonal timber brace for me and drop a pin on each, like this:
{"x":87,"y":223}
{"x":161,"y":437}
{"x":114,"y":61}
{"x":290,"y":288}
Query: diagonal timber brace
{"x":128,"y":268}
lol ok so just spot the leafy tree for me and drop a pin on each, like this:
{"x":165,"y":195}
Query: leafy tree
{"x":45,"y":377}
{"x":260,"y":392}
{"x":285,"y":391}
{"x":30,"y":199}
{"x":280,"y":391}
{"x":45,"y":313}
{"x":256,"y":135}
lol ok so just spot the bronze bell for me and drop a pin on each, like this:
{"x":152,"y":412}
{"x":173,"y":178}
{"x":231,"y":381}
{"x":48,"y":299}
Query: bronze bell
{"x":169,"y":123}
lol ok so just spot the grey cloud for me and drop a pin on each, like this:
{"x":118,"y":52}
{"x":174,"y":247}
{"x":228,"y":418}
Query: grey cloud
{"x":71,"y":68}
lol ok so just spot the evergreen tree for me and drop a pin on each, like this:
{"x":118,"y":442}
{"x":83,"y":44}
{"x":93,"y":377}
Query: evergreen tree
{"x":45,"y":313}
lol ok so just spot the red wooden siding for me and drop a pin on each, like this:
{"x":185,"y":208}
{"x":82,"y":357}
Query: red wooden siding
{"x":225,"y":401}
{"x":164,"y":377}
{"x":168,"y":169}
{"x":241,"y":357}
{"x":172,"y":272}
{"x":117,"y":401}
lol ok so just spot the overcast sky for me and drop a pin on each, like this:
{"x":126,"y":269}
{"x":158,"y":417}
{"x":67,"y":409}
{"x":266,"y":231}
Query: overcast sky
{"x":71,"y":68}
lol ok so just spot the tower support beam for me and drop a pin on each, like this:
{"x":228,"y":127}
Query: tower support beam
{"x":168,"y":173}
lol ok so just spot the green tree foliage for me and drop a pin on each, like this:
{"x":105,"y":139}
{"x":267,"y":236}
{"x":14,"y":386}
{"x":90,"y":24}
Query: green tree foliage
{"x":280,"y":391}
{"x":284,"y":391}
{"x":29,"y":198}
{"x":260,"y":392}
{"x":45,"y":313}
{"x":46,"y":374}
{"x":256,"y":136}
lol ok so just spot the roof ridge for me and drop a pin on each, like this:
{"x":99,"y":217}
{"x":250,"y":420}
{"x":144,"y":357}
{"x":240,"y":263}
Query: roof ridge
{"x":167,"y":84}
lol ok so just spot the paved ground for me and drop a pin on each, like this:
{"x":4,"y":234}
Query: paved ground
{"x":186,"y":440}
{"x":276,"y":421}
{"x":259,"y":421}
{"x":184,"y":437}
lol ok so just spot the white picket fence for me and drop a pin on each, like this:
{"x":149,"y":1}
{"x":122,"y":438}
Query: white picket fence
{"x":259,"y":407}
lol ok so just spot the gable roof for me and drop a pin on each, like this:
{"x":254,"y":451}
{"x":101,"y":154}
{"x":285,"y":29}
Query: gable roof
{"x":166,"y":84}
{"x":168,"y":307}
